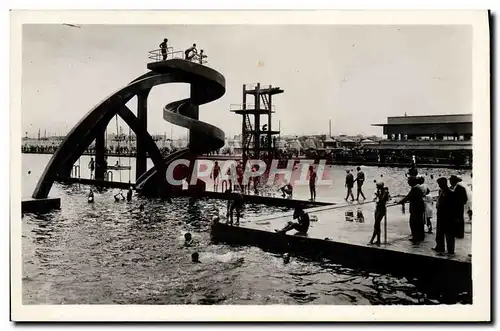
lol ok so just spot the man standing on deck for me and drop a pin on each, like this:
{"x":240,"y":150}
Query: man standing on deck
{"x":445,"y":228}
{"x":215,"y":175}
{"x":417,"y":209}
{"x":91,"y":167}
{"x":381,"y":197}
{"x":312,"y":182}
{"x":360,"y":179}
{"x":459,"y":197}
{"x":164,"y":48}
{"x":235,"y":204}
{"x":349,"y":183}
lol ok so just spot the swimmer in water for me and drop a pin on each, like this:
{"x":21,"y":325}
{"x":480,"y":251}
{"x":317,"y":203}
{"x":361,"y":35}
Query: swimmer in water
{"x":195,"y":257}
{"x":90,"y":198}
{"x":141,"y":207}
{"x":188,"y":239}
{"x":129,"y":194}
{"x":118,"y":196}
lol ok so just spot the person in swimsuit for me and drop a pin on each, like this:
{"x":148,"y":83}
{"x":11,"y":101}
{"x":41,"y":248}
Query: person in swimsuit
{"x":190,"y":52}
{"x":164,"y":49}
{"x":302,"y":226}
{"x":381,"y":197}
{"x":92,"y":167}
{"x":312,"y":182}
{"x":215,"y":175}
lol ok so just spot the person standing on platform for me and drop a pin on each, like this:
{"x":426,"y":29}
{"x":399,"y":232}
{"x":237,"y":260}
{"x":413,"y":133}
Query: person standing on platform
{"x":360,"y":179}
{"x":427,"y":202}
{"x":236,"y":204}
{"x":202,"y":56}
{"x":349,"y":183}
{"x":444,"y":215}
{"x":415,"y":197}
{"x":92,"y":167}
{"x":459,"y":200}
{"x":215,"y":175}
{"x":190,"y":52}
{"x":381,"y":197}
{"x":164,"y":49}
{"x":312,"y":182}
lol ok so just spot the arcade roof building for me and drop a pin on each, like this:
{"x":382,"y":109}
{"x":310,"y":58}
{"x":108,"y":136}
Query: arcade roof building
{"x":429,"y":132}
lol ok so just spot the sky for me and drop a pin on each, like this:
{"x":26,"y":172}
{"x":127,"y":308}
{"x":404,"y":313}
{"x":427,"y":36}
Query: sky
{"x":354,"y":76}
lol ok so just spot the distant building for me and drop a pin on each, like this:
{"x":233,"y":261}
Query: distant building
{"x":429,"y":127}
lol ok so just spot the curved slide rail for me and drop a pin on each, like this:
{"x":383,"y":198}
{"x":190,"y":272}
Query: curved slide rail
{"x":206,"y":85}
{"x":204,"y":138}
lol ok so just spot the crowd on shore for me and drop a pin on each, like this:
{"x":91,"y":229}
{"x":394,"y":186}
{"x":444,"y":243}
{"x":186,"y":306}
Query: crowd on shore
{"x":451,"y":205}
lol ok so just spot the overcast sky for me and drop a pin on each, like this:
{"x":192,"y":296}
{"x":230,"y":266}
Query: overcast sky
{"x":353,"y":75}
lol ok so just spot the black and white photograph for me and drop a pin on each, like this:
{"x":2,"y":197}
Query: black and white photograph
{"x":268,"y":164}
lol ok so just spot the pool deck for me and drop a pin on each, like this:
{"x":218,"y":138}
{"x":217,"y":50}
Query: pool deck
{"x":346,"y":242}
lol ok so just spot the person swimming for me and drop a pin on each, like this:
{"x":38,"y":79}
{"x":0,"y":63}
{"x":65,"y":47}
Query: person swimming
{"x":119,"y":196}
{"x":195,"y":257}
{"x":90,"y":198}
{"x":188,"y":239}
{"x":129,"y":194}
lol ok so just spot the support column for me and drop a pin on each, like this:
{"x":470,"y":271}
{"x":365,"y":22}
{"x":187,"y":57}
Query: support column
{"x":257,"y":122}
{"x":100,"y":158}
{"x":269,"y":126}
{"x":142,"y":115}
{"x":244,"y":133}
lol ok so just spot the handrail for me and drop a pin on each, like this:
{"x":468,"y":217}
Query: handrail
{"x":239,"y":106}
{"x":157,"y":55}
{"x":76,"y":170}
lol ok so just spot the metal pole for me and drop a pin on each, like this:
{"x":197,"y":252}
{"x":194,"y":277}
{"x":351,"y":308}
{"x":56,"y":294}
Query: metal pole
{"x":385,"y":228}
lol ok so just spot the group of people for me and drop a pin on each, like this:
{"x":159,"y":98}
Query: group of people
{"x":350,"y":181}
{"x":118,"y":196}
{"x":190,"y":54}
{"x":450,"y":209}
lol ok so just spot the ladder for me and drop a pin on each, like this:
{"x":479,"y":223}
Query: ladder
{"x":265,"y":101}
{"x":247,"y":136}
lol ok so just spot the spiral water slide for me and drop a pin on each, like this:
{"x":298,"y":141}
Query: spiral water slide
{"x":206,"y":85}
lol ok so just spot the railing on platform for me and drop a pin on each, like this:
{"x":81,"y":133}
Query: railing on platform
{"x":76,"y":171}
{"x":251,"y":86}
{"x":109,"y":176}
{"x":157,"y":56}
{"x":250,"y":106}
